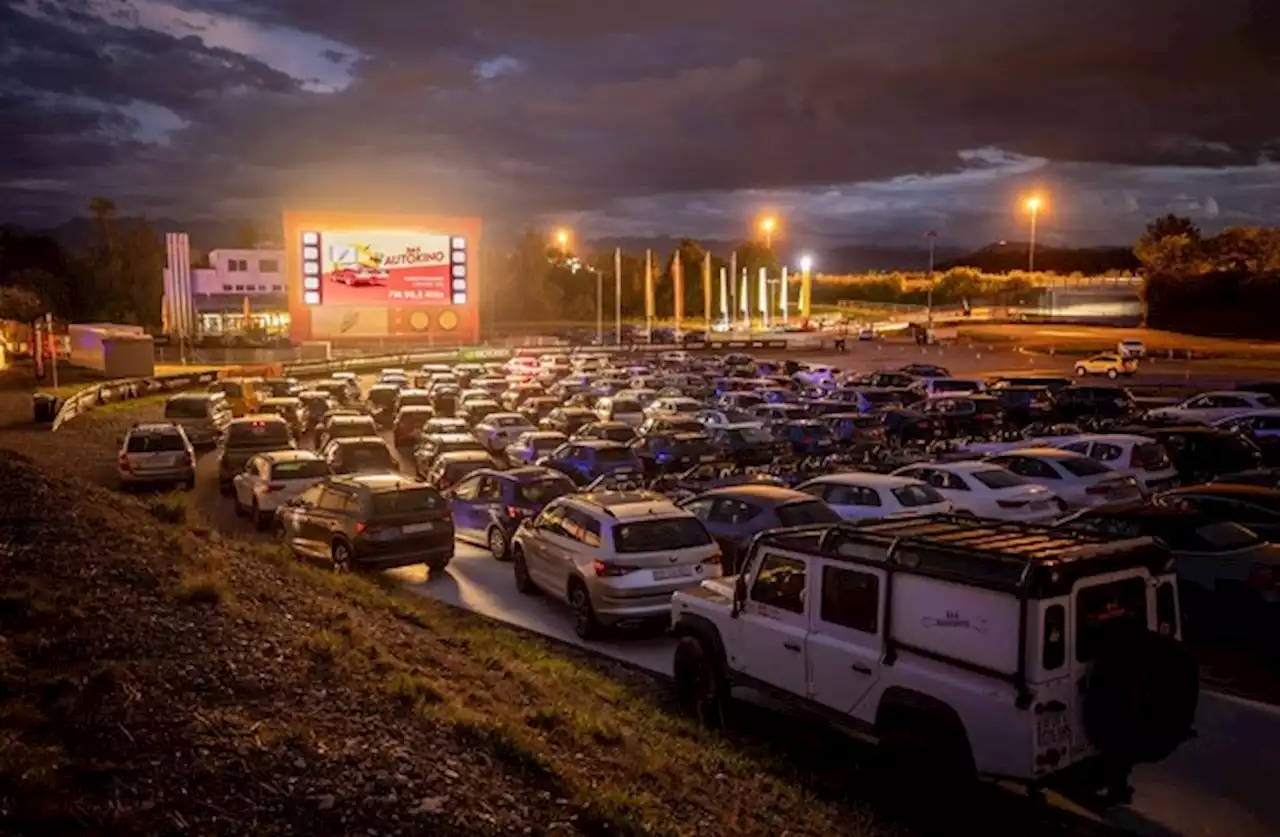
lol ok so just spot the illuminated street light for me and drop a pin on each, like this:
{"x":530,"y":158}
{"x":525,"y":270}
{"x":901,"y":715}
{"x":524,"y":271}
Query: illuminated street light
{"x":1033,"y":205}
{"x":806,"y":286}
{"x":562,"y":239}
{"x":767,"y":225}
{"x":806,"y":263}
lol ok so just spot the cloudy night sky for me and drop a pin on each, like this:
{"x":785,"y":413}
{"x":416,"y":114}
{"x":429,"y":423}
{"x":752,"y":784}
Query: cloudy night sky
{"x":857,"y":122}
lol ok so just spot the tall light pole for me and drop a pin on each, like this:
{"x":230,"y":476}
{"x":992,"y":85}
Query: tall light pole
{"x":767,"y":226}
{"x":1033,"y":205}
{"x":806,"y":288}
{"x":932,"y":235}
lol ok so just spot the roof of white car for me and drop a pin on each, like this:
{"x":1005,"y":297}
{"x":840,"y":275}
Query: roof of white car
{"x":1042,"y":453}
{"x":968,"y":466}
{"x":867,"y":480}
{"x":277,"y":456}
{"x":1113,"y":438}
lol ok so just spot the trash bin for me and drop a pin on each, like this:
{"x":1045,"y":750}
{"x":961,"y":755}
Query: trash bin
{"x":45,"y":408}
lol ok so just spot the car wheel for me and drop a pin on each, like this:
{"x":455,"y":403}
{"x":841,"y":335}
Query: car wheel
{"x":1080,"y":370}
{"x":585,"y":623}
{"x":1112,"y":374}
{"x":524,"y":582}
{"x":261,"y":520}
{"x":341,"y":554}
{"x":241,"y":511}
{"x":437,"y":565}
{"x":701,"y":686}
{"x":280,"y":532}
{"x":497,"y":544}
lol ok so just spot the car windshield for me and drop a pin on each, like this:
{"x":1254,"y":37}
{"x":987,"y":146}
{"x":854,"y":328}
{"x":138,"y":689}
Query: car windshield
{"x":299,"y":469}
{"x":511,"y":421}
{"x":804,"y":512}
{"x":155,"y":442}
{"x":660,"y":535}
{"x":616,"y":434}
{"x":881,"y":398}
{"x":997,"y":478}
{"x":911,"y":496}
{"x":540,"y":492}
{"x":186,"y":408}
{"x":1083,"y":466}
{"x":258,"y":434}
{"x":407,"y":501}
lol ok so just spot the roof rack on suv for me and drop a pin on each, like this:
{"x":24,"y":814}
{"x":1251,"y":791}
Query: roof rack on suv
{"x":1023,"y":558}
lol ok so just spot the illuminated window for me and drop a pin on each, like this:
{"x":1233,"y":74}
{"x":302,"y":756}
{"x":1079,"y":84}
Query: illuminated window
{"x":311,"y":283}
{"x":459,"y":243}
{"x":311,"y":253}
{"x":311,"y":268}
{"x":269,"y":266}
{"x":459,"y":284}
{"x":311,"y":297}
{"x":459,"y":298}
{"x":459,"y":257}
{"x":460,"y":271}
{"x":311,"y":238}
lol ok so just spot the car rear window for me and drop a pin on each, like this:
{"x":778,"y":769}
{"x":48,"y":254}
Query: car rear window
{"x":457,"y":470}
{"x":407,"y":501}
{"x":1083,"y":466}
{"x":804,"y":512}
{"x":511,"y":421}
{"x":753,"y":435}
{"x":617,"y":434}
{"x":368,"y":454}
{"x":911,"y":496}
{"x":187,"y":408}
{"x":1151,"y":457}
{"x":881,"y":398}
{"x":547,"y":444}
{"x":415,"y":400}
{"x":998,"y":478}
{"x":258,"y":434}
{"x":660,"y":535}
{"x":1220,"y":536}
{"x":541,"y":492}
{"x":1105,"y":611}
{"x":383,"y":397}
{"x":622,"y":405}
{"x":299,"y":470}
{"x":154,"y":442}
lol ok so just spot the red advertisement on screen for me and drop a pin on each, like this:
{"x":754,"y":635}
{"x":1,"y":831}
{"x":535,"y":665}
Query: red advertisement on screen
{"x":385,"y":268}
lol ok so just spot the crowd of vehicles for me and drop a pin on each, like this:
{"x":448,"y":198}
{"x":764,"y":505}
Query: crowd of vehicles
{"x":938,"y":561}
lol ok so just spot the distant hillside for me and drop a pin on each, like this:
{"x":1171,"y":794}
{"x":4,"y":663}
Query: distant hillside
{"x":1013,"y":255}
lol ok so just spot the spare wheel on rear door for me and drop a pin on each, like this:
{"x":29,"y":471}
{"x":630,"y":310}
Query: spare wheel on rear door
{"x":1141,"y":697}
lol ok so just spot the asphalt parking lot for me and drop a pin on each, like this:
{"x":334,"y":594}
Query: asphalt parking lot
{"x":1220,"y":783}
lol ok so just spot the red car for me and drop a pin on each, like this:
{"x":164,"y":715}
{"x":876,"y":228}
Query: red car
{"x":359,"y":276}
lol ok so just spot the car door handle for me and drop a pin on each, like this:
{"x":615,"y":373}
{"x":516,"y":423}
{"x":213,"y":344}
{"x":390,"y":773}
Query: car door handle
{"x":861,"y":669}
{"x":791,"y":646}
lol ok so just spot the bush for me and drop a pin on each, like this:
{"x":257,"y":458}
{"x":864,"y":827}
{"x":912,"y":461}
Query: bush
{"x":1218,"y":304}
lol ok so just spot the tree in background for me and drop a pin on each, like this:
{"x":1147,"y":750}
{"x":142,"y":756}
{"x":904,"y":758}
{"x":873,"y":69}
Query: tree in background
{"x":1171,"y":245}
{"x":22,"y":305}
{"x":123,"y":266}
{"x":247,"y":237}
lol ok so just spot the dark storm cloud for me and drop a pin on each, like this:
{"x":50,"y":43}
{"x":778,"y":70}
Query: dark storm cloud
{"x":565,"y":106}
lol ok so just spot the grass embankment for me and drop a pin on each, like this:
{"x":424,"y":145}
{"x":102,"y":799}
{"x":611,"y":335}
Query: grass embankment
{"x":145,"y":656}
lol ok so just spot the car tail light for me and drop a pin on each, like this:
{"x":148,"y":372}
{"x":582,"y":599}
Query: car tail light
{"x":123,"y":462}
{"x":923,"y":424}
{"x":275,"y":486}
{"x":1264,"y":577}
{"x":515,"y":512}
{"x":1011,"y":504}
{"x":361,"y":527}
{"x":611,"y":570}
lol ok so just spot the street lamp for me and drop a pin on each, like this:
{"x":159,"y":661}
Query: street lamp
{"x":1033,"y":206}
{"x":806,"y":285}
{"x":562,"y":239}
{"x":767,"y":225}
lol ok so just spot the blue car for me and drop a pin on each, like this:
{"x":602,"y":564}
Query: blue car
{"x":585,"y":460}
{"x":488,"y":505}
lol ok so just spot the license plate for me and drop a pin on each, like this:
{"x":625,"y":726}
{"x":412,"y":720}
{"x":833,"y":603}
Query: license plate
{"x":415,"y":528}
{"x":1052,"y":730}
{"x":672,"y":572}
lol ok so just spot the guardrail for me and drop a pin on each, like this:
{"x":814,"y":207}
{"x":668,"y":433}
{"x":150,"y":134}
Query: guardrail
{"x":95,"y":395}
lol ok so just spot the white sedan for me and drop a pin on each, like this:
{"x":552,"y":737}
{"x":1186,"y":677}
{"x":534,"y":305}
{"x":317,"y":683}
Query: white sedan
{"x":1140,"y":457}
{"x":864,"y":496}
{"x":271,"y":479}
{"x":1211,"y":406}
{"x":987,"y":490}
{"x":1079,"y":480}
{"x":497,"y":430}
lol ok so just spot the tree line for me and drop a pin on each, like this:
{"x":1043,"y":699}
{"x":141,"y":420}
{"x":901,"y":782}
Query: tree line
{"x":1225,"y":285}
{"x":115,"y":277}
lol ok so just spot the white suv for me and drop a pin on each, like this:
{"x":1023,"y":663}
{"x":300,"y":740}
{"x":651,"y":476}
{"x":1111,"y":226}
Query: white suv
{"x":157,"y":453}
{"x":614,"y":556}
{"x":958,"y":646}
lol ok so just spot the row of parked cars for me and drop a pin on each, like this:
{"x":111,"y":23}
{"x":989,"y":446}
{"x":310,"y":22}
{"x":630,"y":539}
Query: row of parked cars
{"x":953,"y":603}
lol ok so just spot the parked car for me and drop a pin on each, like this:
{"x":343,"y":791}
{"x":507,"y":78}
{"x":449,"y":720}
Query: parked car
{"x":448,"y":469}
{"x":613,"y":557}
{"x":1078,"y":480}
{"x":432,"y":446}
{"x":203,"y":416}
{"x":360,"y":455}
{"x":530,"y":447}
{"x":1109,"y":364}
{"x":1212,"y":406}
{"x":863,"y":496}
{"x":406,"y":430}
{"x":271,"y":479}
{"x":736,"y":514}
{"x":498,"y":430}
{"x":156,"y":453}
{"x":488,"y":506}
{"x":987,"y":490}
{"x":584,"y":461}
{"x":344,"y":426}
{"x":368,"y":521}
{"x":245,"y":437}
{"x":609,"y":431}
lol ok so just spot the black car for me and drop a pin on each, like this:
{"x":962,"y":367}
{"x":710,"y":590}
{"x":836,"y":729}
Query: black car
{"x":664,"y":452}
{"x":360,"y":455}
{"x":1253,"y":506}
{"x":972,"y":415}
{"x":584,"y":462}
{"x":745,"y":444}
{"x":1203,"y":453}
{"x":855,"y":431}
{"x":609,"y":431}
{"x":382,"y":404}
{"x":284,"y":387}
{"x":1025,"y":405}
{"x":907,"y":426}
{"x":805,"y":437}
{"x":1078,"y":401}
{"x":369,"y":521}
{"x":736,"y":514}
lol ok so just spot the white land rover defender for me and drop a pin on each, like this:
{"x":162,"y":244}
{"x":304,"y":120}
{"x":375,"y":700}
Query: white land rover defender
{"x":1009,"y":650}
